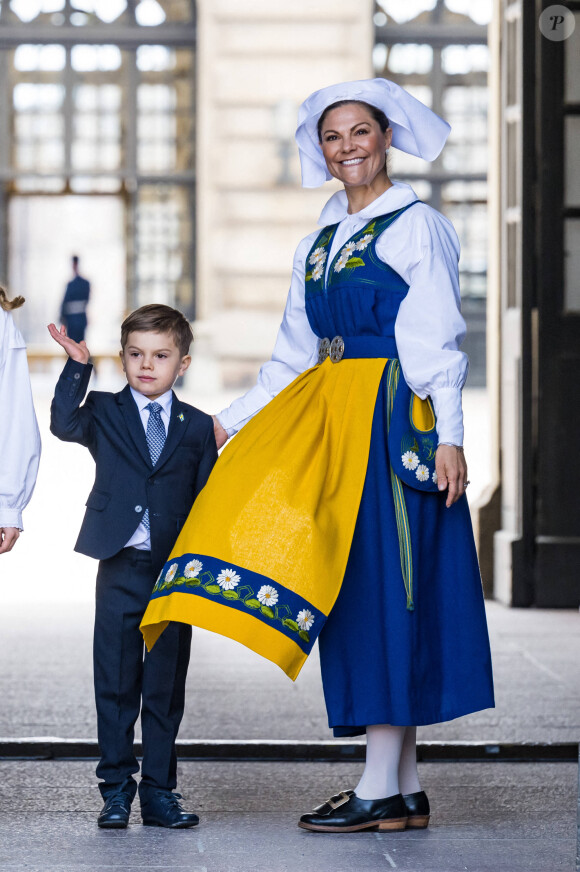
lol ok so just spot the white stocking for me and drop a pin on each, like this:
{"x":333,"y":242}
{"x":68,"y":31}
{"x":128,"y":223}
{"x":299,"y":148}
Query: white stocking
{"x":381,"y":773}
{"x":408,"y":776}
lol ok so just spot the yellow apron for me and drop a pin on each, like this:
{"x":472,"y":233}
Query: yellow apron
{"x":263,"y":552}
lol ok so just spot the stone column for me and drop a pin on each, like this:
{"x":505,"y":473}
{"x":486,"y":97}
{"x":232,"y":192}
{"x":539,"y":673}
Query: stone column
{"x":257,"y":61}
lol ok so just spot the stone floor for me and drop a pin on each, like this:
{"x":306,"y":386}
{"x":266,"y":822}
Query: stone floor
{"x":487,"y":817}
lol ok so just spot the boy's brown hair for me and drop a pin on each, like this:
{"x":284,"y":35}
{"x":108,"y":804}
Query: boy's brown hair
{"x":157,"y":318}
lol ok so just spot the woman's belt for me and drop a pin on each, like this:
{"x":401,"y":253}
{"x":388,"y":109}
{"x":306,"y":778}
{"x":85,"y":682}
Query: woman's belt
{"x":351,"y":347}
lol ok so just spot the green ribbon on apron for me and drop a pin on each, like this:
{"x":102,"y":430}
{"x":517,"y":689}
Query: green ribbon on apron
{"x":403,"y":528}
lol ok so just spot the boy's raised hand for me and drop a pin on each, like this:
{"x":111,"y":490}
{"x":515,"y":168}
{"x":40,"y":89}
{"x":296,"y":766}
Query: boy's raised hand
{"x":76,"y":350}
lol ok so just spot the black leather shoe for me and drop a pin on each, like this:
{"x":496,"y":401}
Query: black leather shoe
{"x":116,"y":810}
{"x":418,"y":810}
{"x":161,"y":808}
{"x":347,"y":813}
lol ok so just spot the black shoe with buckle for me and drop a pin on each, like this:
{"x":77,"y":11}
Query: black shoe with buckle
{"x":161,"y":808}
{"x":418,"y":810}
{"x":347,"y":813}
{"x":116,"y":810}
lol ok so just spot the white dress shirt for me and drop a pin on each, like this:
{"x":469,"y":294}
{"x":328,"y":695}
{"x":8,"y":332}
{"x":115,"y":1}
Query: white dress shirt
{"x":141,"y":538}
{"x":422,"y":247}
{"x":19,"y":435}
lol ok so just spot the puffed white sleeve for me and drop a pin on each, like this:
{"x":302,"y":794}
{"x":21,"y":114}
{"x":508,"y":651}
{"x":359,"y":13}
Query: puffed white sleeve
{"x":294,"y":352}
{"x":19,"y":434}
{"x":429,"y":327}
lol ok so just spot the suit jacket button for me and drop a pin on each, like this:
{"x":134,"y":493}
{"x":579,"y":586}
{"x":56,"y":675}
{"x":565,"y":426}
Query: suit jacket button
{"x":138,"y":508}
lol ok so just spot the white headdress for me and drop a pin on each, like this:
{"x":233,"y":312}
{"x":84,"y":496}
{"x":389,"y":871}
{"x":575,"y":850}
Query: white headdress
{"x":416,"y":129}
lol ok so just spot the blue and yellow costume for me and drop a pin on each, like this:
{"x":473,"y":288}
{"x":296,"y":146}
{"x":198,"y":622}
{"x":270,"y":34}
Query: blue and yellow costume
{"x":296,"y":535}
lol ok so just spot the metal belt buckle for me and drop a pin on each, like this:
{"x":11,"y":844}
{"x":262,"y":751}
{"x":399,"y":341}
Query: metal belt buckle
{"x":323,"y":349}
{"x":336,"y":349}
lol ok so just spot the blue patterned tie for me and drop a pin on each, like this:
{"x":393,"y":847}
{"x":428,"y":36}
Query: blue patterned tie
{"x":156,"y":436}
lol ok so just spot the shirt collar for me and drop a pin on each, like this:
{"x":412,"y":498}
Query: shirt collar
{"x":395,"y":197}
{"x":164,"y":400}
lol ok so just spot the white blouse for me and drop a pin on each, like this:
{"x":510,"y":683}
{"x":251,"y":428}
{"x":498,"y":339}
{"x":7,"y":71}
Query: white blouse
{"x":422,"y":247}
{"x":19,"y":435}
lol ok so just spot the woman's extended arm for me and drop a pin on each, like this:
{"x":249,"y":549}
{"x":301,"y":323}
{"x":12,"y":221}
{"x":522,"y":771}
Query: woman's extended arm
{"x":429,"y":330}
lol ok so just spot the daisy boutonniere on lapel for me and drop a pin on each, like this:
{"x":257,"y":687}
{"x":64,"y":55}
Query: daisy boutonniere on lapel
{"x":181,"y":417}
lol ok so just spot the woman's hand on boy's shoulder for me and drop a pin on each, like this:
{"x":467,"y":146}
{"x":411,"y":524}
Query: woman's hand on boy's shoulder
{"x":76,"y":350}
{"x":221,"y":436}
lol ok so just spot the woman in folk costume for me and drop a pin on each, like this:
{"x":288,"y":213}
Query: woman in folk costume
{"x":339,"y":513}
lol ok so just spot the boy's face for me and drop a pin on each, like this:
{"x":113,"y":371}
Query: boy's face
{"x":152,"y":362}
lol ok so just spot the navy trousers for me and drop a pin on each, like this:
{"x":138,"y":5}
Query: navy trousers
{"x":128,"y":679}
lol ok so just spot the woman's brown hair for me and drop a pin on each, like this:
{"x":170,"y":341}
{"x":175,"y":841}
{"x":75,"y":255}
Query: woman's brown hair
{"x":376,"y":113}
{"x":7,"y":304}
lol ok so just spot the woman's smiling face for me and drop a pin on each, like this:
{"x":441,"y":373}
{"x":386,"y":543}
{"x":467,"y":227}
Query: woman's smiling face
{"x":354,"y":145}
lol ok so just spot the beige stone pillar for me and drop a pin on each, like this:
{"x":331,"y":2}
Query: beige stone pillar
{"x":257,"y":61}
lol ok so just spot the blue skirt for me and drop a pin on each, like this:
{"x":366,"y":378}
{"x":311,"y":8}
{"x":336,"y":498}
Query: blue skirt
{"x":383,"y":664}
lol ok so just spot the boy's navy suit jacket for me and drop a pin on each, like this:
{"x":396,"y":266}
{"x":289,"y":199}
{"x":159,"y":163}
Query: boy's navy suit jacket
{"x":126,"y":482}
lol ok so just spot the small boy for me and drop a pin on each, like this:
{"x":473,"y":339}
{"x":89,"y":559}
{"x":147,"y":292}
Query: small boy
{"x":153,"y":455}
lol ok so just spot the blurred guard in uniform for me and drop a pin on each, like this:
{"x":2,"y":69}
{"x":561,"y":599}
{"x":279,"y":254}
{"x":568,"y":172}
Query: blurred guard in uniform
{"x":73,"y":312}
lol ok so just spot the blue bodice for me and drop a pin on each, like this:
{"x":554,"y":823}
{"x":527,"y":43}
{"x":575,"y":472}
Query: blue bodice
{"x":362,"y":294}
